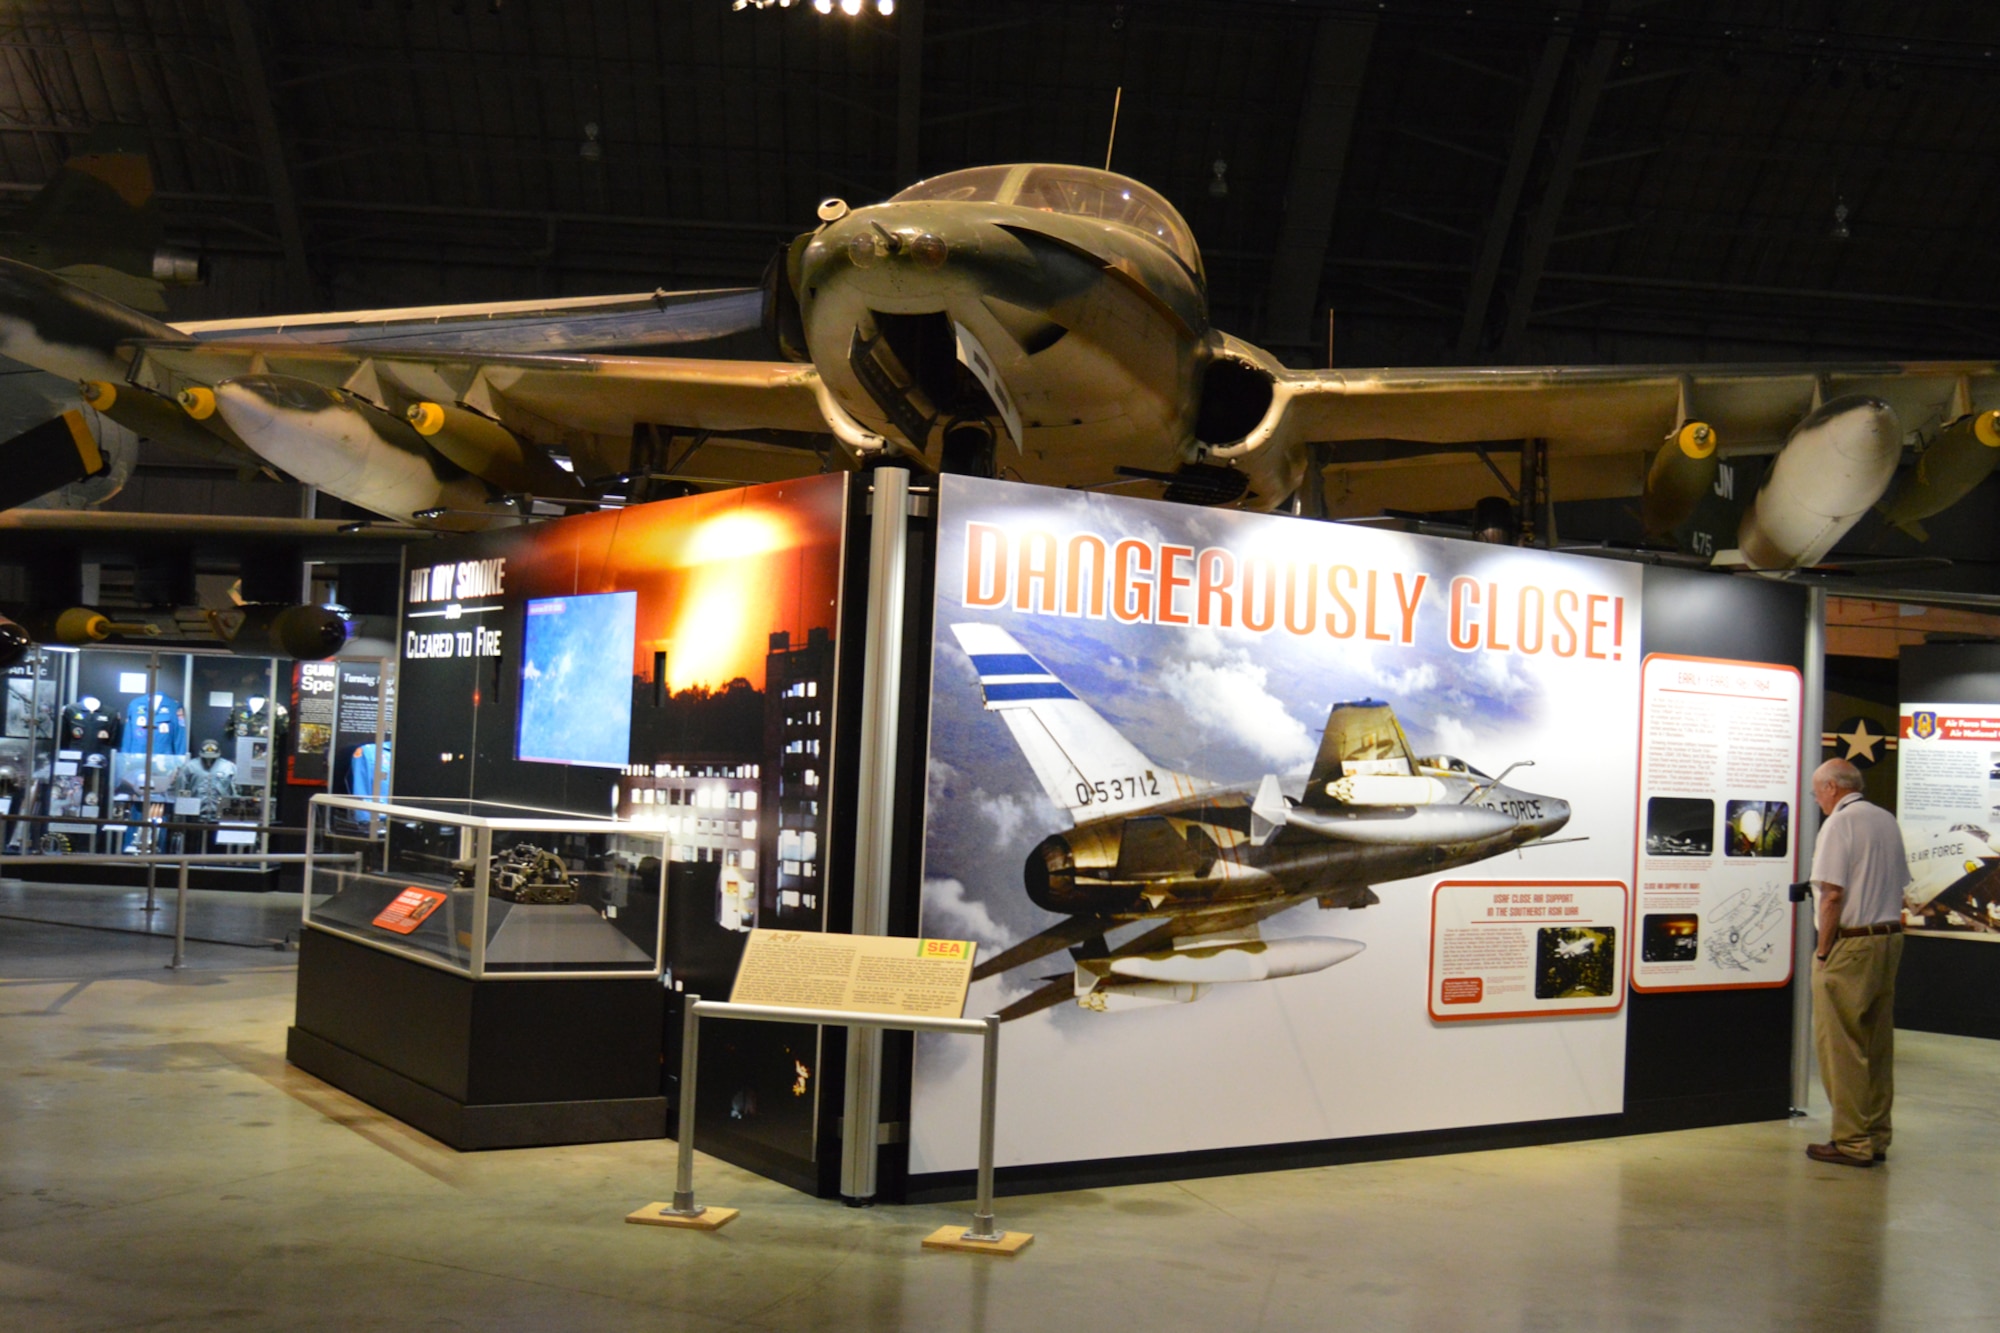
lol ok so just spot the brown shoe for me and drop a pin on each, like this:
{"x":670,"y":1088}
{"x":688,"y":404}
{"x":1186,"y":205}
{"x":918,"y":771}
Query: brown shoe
{"x":1827,"y":1152}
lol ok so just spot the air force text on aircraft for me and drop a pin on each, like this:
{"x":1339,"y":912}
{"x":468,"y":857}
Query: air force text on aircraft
{"x":1141,"y":581}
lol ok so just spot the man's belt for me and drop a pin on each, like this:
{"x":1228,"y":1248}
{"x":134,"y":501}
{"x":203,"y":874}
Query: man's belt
{"x":1856,"y":932}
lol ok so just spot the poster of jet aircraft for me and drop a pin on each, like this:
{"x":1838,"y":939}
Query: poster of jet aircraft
{"x":1202,"y":864}
{"x":1195,"y":779}
{"x":1039,"y":322}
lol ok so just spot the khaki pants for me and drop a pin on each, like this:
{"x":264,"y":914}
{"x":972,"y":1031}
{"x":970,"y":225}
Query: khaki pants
{"x":1854,"y":1033}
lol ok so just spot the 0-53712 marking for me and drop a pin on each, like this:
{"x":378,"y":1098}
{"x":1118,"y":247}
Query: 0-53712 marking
{"x":1117,"y":789}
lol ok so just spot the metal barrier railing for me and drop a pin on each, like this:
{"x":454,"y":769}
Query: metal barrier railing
{"x":184,"y":860}
{"x":984,"y":1232}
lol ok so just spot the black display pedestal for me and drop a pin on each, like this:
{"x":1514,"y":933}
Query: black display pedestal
{"x":481,"y":1064}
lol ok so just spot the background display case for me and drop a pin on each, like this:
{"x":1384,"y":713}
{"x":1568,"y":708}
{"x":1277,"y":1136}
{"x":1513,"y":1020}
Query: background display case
{"x":488,"y":973}
{"x":485,"y":890}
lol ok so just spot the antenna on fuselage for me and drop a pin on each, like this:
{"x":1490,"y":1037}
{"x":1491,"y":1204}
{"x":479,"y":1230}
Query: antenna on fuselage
{"x":1112,"y":142}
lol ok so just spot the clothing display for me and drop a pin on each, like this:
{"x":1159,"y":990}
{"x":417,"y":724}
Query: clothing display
{"x":207,"y":777}
{"x":255,"y":717}
{"x":87,"y":728}
{"x":162,"y":717}
{"x":365,"y":777}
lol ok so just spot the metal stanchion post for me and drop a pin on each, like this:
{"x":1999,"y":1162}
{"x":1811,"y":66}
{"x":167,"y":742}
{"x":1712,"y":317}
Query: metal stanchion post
{"x":983,"y":1226}
{"x":180,"y":920}
{"x":684,"y":1204}
{"x":684,"y":1211}
{"x":151,"y":887}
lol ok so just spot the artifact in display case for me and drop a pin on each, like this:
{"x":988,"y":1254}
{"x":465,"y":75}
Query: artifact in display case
{"x":487,"y":890}
{"x":523,"y":873}
{"x":207,"y":780}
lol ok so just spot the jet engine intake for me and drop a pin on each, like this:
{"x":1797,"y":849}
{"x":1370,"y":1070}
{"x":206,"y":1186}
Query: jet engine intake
{"x":1235,"y":397}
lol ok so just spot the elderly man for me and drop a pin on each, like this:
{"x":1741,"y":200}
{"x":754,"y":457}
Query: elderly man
{"x":1859,"y":871}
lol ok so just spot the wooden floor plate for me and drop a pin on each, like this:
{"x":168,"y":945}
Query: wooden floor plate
{"x":953,"y":1238}
{"x":656,"y":1215}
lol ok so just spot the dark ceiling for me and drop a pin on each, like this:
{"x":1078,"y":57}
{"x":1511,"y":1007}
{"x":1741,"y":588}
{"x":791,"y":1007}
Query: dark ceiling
{"x":1459,"y":183}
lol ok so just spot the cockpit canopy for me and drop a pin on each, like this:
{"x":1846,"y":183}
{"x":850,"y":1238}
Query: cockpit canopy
{"x":1451,"y":764}
{"x":1082,"y":191}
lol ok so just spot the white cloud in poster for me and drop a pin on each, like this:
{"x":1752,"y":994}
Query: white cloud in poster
{"x":949,"y":914}
{"x":1453,"y":736}
{"x":1228,"y":697}
{"x":1418,"y":679}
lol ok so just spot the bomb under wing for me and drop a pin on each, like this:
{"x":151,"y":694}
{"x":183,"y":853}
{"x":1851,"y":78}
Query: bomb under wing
{"x":1207,"y":864}
{"x":1962,"y":456}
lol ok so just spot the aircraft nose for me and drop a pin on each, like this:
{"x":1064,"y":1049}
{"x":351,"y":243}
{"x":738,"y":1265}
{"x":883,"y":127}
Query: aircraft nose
{"x":1555,"y":814}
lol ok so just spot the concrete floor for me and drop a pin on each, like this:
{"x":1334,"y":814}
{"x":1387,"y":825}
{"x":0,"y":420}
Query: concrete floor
{"x":161,"y":1166}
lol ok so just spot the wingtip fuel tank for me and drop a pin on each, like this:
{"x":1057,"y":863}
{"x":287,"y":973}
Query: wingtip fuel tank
{"x":336,"y":440}
{"x":1835,"y":465}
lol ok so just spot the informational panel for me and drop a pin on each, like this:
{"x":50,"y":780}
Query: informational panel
{"x":1948,"y":803}
{"x":1512,"y":948}
{"x":1194,"y":776}
{"x":1718,"y":790}
{"x":313,"y":685}
{"x":860,"y":974}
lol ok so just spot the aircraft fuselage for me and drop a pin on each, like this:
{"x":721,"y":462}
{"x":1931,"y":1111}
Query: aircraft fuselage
{"x":1093,"y":335}
{"x":1203,"y":856}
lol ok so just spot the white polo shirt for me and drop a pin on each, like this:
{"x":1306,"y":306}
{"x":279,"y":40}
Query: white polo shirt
{"x":1860,"y":848}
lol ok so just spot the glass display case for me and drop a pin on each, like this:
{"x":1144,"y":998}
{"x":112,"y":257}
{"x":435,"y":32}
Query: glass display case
{"x":113,"y":749}
{"x":487,"y":891}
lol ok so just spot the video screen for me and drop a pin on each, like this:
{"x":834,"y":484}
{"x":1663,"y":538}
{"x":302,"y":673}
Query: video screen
{"x":576,"y":680}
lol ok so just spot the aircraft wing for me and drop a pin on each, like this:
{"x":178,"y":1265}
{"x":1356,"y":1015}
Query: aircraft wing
{"x":1604,"y":421}
{"x":585,"y":404}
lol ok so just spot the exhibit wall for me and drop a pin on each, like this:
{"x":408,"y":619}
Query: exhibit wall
{"x":1948,"y":804}
{"x":1128,"y":700}
{"x":674,"y":664}
{"x":1714,"y":1055}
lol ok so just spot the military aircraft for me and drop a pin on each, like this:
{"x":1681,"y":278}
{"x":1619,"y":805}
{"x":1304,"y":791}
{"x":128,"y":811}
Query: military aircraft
{"x":1042,"y":322}
{"x":1954,"y":880}
{"x":1207,"y":863}
{"x":94,"y":226}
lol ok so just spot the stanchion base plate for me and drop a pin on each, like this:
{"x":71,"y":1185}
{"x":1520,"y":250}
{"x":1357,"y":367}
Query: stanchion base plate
{"x":953,"y":1238}
{"x":656,"y":1215}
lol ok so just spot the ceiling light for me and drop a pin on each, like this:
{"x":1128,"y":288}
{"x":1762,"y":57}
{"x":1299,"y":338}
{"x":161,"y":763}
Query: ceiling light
{"x":885,"y":7}
{"x":823,"y":6}
{"x":850,"y":7}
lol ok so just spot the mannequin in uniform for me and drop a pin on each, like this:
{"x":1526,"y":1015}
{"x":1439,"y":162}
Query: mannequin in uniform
{"x":208,"y":776}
